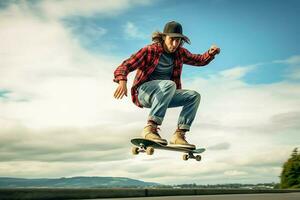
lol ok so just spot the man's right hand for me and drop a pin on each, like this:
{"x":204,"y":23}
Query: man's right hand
{"x":121,"y":90}
{"x":214,"y":50}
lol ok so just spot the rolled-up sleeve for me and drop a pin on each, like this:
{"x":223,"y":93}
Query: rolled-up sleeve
{"x":130,"y":65}
{"x":196,"y":59}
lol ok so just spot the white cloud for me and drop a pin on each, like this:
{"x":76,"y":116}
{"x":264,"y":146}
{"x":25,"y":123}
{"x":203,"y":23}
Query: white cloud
{"x":60,"y":101}
{"x":50,"y":75}
{"x":293,"y":71}
{"x":235,"y":173}
{"x":237,"y":72}
{"x":132,"y":31}
{"x":293,"y":60}
{"x":54,"y":10}
{"x":219,"y":146}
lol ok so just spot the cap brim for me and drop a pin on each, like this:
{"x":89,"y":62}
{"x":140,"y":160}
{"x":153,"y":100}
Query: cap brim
{"x":186,"y":39}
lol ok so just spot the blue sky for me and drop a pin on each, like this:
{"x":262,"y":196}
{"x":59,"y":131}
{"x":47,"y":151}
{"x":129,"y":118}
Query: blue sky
{"x":57,"y":109}
{"x":248,"y":32}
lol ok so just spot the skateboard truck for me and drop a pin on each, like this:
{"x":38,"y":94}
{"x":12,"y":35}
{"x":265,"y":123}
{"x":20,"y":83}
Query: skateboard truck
{"x":136,"y":150}
{"x":191,"y":155}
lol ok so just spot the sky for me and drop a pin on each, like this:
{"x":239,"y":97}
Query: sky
{"x":58,"y":117}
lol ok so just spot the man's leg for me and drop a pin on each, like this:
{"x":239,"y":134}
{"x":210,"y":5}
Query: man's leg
{"x":156,"y":95}
{"x":190,"y":101}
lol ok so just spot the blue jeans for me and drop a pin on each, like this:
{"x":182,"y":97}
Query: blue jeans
{"x":159,"y":95}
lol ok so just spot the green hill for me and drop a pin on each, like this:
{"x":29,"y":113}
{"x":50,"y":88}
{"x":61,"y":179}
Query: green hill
{"x":78,"y":182}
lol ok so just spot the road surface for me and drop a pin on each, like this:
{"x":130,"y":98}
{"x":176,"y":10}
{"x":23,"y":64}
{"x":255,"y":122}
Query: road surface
{"x":274,"y":196}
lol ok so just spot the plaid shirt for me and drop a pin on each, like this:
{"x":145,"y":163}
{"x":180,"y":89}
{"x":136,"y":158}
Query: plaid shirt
{"x":146,"y":60}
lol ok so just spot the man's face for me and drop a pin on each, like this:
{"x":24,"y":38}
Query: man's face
{"x":171,"y":43}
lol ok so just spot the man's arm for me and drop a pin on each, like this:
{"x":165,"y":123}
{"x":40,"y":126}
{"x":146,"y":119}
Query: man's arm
{"x":121,"y":90}
{"x":123,"y":70}
{"x":199,"y":59}
{"x":130,"y":65}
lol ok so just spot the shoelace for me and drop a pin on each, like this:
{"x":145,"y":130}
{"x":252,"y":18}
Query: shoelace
{"x":182,"y":134}
{"x":155,"y":129}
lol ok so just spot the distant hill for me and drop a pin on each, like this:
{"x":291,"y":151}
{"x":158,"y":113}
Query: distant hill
{"x":78,"y":182}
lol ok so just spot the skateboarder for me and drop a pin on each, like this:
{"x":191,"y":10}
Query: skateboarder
{"x":157,"y":84}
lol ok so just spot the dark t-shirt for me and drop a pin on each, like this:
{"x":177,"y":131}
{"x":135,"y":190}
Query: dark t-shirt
{"x":164,"y":69}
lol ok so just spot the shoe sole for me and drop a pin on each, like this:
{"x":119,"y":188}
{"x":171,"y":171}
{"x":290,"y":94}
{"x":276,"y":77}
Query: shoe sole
{"x":183,"y":146}
{"x":163,"y":142}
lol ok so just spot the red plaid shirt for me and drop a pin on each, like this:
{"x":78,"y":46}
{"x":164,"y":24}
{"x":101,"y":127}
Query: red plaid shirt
{"x":146,"y":60}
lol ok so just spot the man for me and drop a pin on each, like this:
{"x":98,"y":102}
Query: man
{"x":157,"y":84}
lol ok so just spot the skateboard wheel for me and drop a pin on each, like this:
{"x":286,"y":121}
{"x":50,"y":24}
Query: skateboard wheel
{"x":185,"y":157}
{"x":198,"y":157}
{"x":135,"y":150}
{"x":150,"y":150}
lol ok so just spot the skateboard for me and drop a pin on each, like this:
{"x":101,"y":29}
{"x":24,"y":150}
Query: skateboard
{"x":143,"y":145}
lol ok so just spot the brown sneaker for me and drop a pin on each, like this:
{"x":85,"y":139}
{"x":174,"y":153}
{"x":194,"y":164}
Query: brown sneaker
{"x":178,"y":140}
{"x":150,"y":132}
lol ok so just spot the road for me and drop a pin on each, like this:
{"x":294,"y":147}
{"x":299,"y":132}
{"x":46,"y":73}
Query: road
{"x":274,"y":196}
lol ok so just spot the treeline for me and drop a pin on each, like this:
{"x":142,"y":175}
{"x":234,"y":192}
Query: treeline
{"x":290,"y":175}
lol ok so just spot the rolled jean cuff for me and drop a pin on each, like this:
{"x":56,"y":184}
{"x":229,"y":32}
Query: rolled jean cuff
{"x":184,"y":126}
{"x":158,"y":120}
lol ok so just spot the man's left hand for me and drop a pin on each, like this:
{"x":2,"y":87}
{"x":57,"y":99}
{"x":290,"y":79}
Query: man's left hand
{"x":213,"y":50}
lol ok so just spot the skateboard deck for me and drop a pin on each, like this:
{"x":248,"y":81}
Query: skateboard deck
{"x":143,"y":145}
